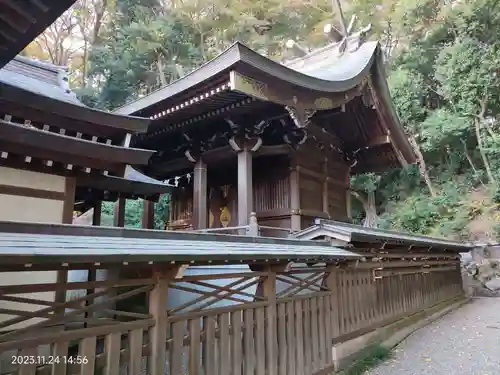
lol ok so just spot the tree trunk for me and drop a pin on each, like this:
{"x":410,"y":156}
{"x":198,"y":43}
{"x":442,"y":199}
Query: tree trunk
{"x":421,"y":164}
{"x":85,"y":62}
{"x":370,"y":208}
{"x":469,"y":159}
{"x":477,"y":126}
{"x":161,"y":72}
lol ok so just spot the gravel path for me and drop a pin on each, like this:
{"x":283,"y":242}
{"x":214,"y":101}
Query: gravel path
{"x":463,"y":342}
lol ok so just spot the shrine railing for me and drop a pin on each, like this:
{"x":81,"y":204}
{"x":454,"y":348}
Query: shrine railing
{"x":272,"y":320}
{"x":252,"y":229}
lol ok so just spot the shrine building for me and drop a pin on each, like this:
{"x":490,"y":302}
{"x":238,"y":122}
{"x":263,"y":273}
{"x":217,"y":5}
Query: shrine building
{"x":278,"y":139}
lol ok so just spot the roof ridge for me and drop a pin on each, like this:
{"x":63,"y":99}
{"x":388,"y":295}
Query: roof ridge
{"x":41,"y":64}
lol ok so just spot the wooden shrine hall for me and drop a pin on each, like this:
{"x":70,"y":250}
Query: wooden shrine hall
{"x":278,"y":139}
{"x":253,"y":147}
{"x":46,"y":130}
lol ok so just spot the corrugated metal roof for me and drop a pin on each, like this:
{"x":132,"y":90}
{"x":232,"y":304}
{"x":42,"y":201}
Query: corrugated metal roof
{"x":16,"y":248}
{"x":355,"y":233}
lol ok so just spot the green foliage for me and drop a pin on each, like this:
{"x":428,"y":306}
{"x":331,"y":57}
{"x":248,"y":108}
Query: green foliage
{"x":371,"y":357}
{"x":444,"y":128}
{"x":442,"y":66}
{"x":134,"y":210}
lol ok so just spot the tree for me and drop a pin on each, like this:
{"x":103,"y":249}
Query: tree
{"x":364,"y":187}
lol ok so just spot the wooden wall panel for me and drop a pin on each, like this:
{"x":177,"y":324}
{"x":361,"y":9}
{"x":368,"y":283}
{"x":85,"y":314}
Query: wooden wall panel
{"x":181,"y":209}
{"x":311,"y":193}
{"x":271,"y":189}
{"x":271,"y":193}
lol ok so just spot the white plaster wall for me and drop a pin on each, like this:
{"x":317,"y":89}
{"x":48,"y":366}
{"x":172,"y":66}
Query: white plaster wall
{"x":35,"y":180}
{"x":19,"y":208}
{"x":35,"y":210}
{"x":28,"y":209}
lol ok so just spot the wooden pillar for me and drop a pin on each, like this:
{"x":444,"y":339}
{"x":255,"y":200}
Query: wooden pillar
{"x":119,"y":216}
{"x":200,"y":208}
{"x":326,"y":208}
{"x":148,"y":215}
{"x":295,"y":198}
{"x":158,"y":299}
{"x":69,"y":200}
{"x":245,"y":186}
{"x":96,"y":215}
{"x":267,"y":289}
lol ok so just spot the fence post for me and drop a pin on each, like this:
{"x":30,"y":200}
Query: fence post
{"x":253,"y":225}
{"x":332,"y":284}
{"x":158,"y":299}
{"x":267,"y":289}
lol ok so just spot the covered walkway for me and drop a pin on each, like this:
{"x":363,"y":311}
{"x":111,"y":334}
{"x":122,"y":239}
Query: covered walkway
{"x":464,"y":342}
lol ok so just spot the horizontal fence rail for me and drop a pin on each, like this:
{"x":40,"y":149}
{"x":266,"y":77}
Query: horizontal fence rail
{"x":258,"y":320}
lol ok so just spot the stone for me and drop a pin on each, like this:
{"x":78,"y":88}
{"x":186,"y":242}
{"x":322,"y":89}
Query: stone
{"x":493,"y":284}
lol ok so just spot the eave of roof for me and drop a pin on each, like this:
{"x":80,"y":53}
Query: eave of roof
{"x":33,"y":17}
{"x":16,"y":88}
{"x":21,"y":248}
{"x":354,"y":70}
{"x":132,"y":184}
{"x":349,"y":233}
{"x":57,"y":147}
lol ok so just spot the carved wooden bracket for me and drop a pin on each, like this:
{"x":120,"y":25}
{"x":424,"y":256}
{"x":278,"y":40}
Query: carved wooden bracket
{"x":301,"y":117}
{"x":248,"y":137}
{"x":239,"y":144}
{"x":293,"y":136}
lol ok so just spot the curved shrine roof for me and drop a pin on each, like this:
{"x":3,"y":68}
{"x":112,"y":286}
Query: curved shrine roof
{"x":323,"y":80}
{"x":345,"y":74}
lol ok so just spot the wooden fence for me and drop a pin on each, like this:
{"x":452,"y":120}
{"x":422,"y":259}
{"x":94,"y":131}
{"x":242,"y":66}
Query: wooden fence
{"x":273,"y":320}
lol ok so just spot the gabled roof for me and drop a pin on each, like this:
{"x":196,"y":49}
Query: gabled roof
{"x":349,"y":234}
{"x":22,"y":21}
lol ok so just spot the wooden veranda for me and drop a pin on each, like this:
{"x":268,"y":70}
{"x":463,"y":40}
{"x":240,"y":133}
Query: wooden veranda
{"x":189,"y":303}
